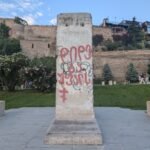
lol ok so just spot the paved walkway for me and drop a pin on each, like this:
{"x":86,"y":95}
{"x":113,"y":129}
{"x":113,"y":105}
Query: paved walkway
{"x":123,"y":129}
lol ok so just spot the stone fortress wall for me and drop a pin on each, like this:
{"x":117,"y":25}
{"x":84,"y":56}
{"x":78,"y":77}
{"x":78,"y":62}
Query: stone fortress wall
{"x":119,"y":60}
{"x":36,"y":41}
{"x":39,"y":41}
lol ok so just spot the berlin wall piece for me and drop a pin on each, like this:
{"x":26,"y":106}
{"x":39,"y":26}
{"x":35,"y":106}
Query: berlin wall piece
{"x":75,"y":121}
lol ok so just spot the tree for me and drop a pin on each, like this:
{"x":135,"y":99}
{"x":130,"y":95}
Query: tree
{"x":111,"y":46}
{"x":47,"y":62}
{"x":97,"y":40}
{"x":107,"y":73}
{"x":42,"y":73}
{"x":131,"y":74}
{"x":135,"y":33}
{"x":19,"y":20}
{"x":4,"y":31}
{"x":148,"y":71}
{"x":9,"y":46}
{"x":9,"y":69}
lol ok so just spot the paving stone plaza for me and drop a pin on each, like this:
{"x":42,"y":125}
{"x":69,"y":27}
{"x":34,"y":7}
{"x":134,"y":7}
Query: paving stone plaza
{"x":122,"y":129}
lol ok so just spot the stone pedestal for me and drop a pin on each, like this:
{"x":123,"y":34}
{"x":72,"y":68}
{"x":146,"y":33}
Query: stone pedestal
{"x":74,"y":132}
{"x":148,"y":108}
{"x":2,"y":108}
{"x":75,"y":120}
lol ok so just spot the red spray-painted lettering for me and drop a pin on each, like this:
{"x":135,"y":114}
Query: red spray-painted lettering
{"x":76,"y":70}
{"x":76,"y":53}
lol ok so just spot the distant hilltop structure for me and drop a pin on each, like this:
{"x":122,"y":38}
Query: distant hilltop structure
{"x":124,"y":24}
{"x":39,"y":40}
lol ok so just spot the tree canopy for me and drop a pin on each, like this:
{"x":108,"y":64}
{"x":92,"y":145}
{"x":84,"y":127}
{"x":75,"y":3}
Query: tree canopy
{"x":131,"y":74}
{"x":19,"y":20}
{"x":4,"y":31}
{"x":107,"y":73}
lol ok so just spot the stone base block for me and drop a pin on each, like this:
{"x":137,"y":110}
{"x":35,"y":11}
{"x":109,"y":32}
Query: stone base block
{"x":148,"y":108}
{"x":2,"y":108}
{"x":74,"y":132}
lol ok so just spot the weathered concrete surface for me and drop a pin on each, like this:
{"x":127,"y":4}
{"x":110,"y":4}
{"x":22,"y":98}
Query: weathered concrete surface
{"x":148,"y":108}
{"x":122,"y":129}
{"x":74,"y":89}
{"x":74,"y":132}
{"x":2,"y":108}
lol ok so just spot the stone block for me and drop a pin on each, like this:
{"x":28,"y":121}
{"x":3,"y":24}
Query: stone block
{"x":110,"y":82}
{"x":114,"y":82}
{"x":148,"y":108}
{"x":2,"y":108}
{"x":74,"y":132}
{"x":103,"y":83}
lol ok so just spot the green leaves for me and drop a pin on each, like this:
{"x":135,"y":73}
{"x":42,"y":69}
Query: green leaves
{"x":47,"y":62}
{"x":9,"y":69}
{"x":131,"y":75}
{"x":4,"y":31}
{"x":9,"y":46}
{"x":41,"y":73}
{"x":136,"y":35}
{"x":107,"y":74}
{"x":19,"y":20}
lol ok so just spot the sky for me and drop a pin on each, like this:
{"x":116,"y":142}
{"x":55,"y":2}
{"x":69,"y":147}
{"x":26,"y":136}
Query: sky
{"x":44,"y":12}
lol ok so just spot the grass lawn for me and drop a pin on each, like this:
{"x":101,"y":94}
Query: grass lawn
{"x":128,"y":96}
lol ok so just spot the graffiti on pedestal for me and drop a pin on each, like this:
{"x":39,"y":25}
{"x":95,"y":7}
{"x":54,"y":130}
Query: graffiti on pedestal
{"x":75,"y":68}
{"x":63,"y":93}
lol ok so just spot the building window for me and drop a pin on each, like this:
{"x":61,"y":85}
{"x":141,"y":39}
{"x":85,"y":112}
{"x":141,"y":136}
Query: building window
{"x":48,"y":45}
{"x":32,"y":45}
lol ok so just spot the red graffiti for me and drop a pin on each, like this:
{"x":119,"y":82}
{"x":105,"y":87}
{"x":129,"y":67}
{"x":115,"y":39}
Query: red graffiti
{"x":75,"y":68}
{"x":63,"y":93}
{"x":76,"y":53}
{"x":74,"y":79}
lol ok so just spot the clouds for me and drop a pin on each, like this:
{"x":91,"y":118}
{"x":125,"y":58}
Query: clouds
{"x":30,"y":10}
{"x":29,"y":19}
{"x":39,"y":14}
{"x":6,"y":6}
{"x":28,"y":5}
{"x":53,"y":21}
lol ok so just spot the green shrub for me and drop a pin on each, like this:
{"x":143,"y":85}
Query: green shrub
{"x":41,"y":73}
{"x":19,"y":20}
{"x":148,"y":70}
{"x":10,"y":67}
{"x":107,"y":73}
{"x":40,"y":78}
{"x":97,"y":81}
{"x":9,"y":46}
{"x":47,"y":62}
{"x":111,"y":46}
{"x":131,"y":74}
{"x":97,"y":40}
{"x":147,"y":45}
{"x":4,"y":31}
